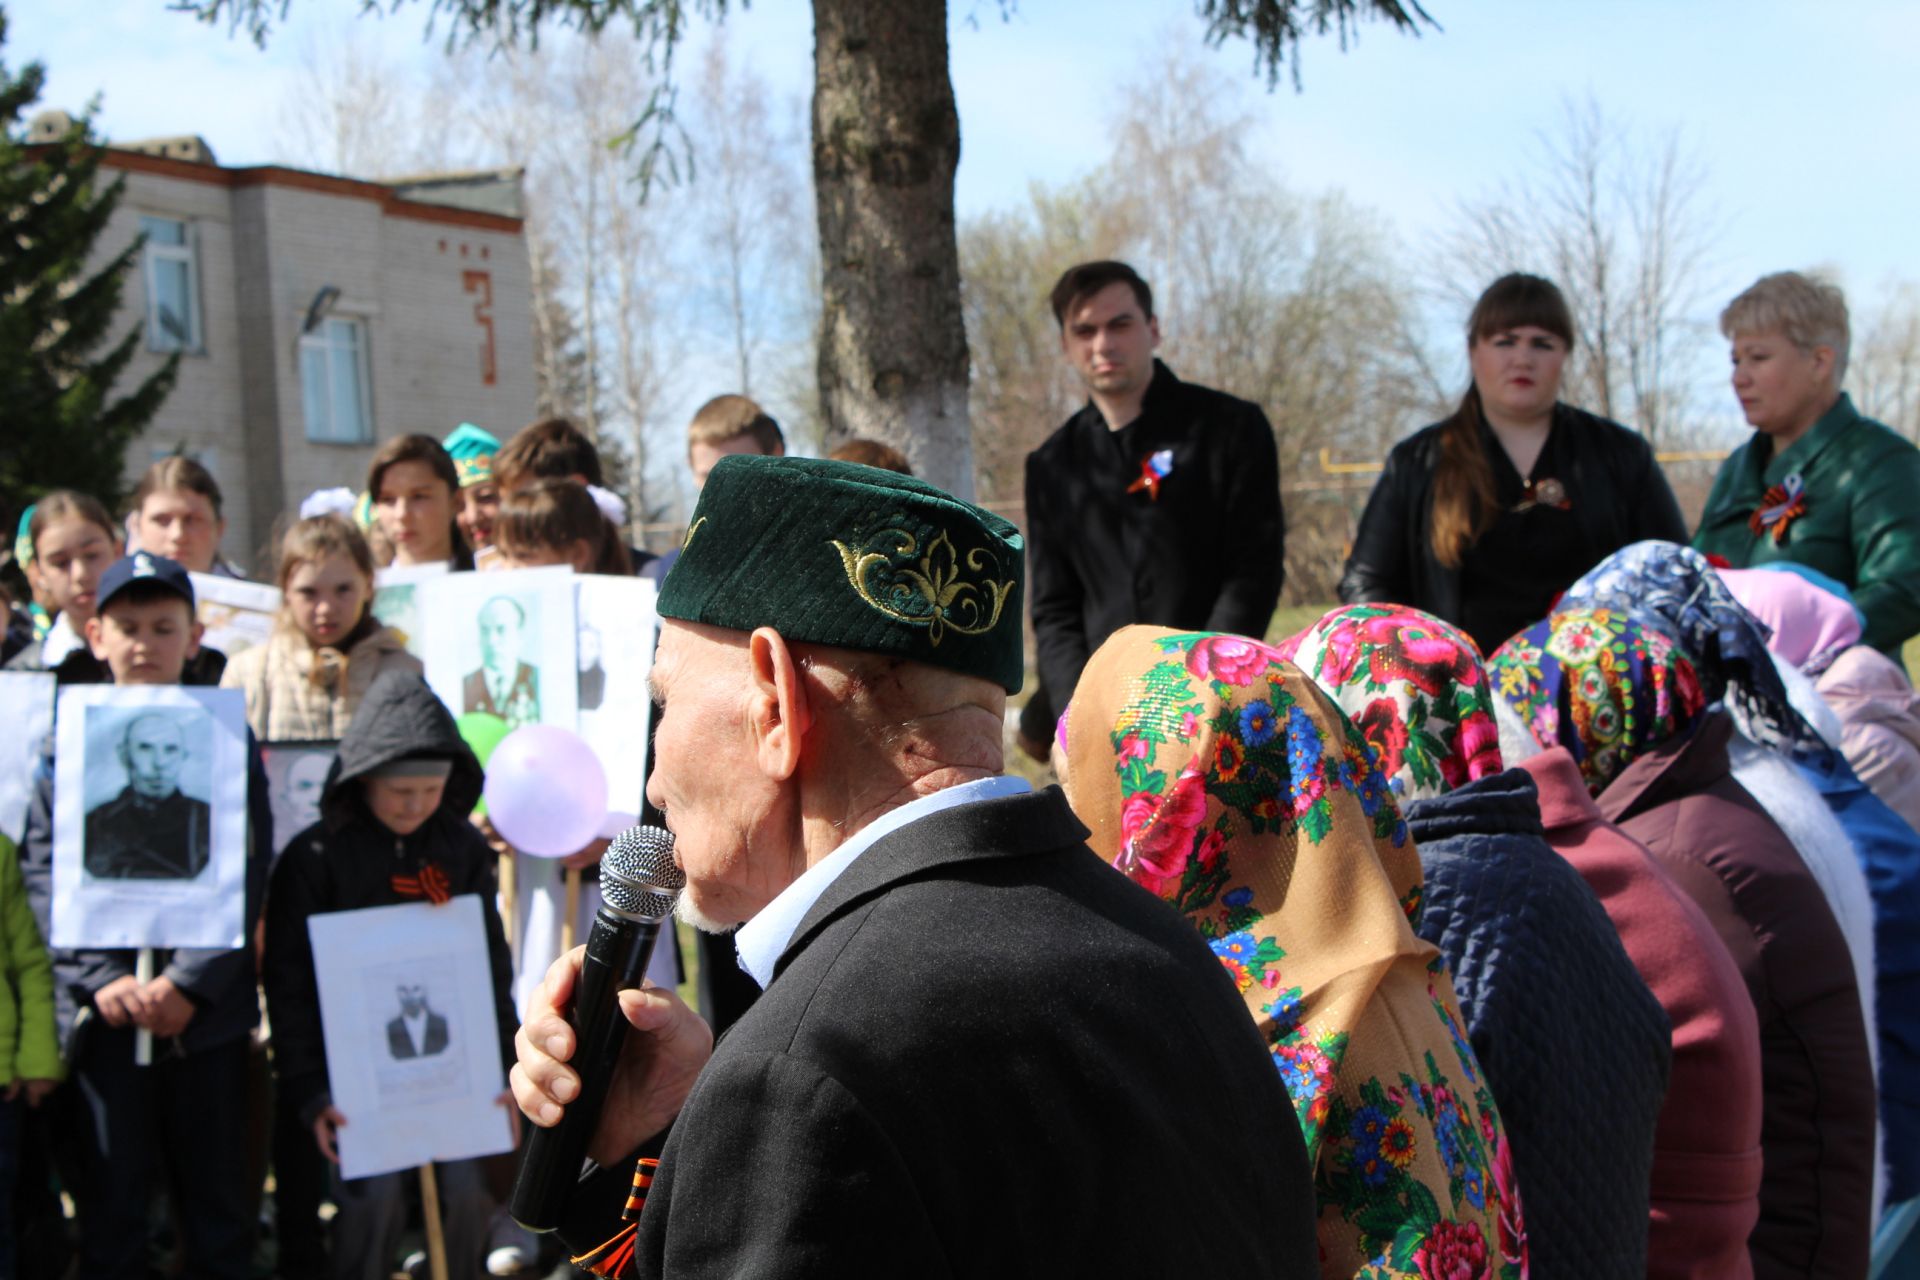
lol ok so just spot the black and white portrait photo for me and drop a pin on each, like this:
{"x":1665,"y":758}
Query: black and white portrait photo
{"x":150,"y":816}
{"x":416,"y":1030}
{"x":412,"y":1033}
{"x":501,"y":643}
{"x":296,"y":779}
{"x":148,"y":826}
{"x":506,"y":685}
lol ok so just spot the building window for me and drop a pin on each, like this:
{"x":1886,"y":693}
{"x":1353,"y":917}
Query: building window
{"x":333,"y":382}
{"x":173,"y":291}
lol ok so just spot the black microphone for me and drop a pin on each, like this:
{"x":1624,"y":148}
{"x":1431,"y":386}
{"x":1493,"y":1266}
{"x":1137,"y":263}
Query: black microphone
{"x":638,"y":882}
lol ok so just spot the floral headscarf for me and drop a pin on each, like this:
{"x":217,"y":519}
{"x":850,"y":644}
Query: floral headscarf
{"x":1217,"y":775}
{"x":1414,"y":687}
{"x":1602,"y":684}
{"x":1677,"y":589}
{"x":1811,"y":625}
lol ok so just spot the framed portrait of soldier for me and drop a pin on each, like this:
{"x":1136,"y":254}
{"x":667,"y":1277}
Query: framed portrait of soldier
{"x":412,"y":1034}
{"x":396,"y":601}
{"x":149,"y":817}
{"x":237,"y":615}
{"x":26,"y":708}
{"x":502,"y":644}
{"x":296,"y":779}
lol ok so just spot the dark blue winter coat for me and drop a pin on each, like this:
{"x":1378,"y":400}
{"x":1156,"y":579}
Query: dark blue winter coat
{"x":1576,"y":1048}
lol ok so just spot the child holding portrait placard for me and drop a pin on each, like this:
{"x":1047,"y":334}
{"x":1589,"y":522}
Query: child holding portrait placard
{"x":393,"y":828}
{"x":179,"y":1112}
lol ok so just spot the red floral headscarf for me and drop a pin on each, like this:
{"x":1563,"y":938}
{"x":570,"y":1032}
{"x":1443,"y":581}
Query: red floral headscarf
{"x":1214,"y":773}
{"x":1414,"y":687}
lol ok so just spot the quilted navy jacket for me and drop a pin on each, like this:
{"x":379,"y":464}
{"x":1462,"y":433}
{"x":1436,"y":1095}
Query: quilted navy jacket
{"x":1574,"y":1045}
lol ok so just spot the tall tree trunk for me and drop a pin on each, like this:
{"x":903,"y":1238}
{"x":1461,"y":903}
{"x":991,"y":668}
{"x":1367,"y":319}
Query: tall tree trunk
{"x":886,"y":142}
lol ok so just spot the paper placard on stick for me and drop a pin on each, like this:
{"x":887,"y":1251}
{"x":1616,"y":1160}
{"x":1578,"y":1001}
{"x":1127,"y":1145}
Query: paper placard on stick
{"x":615,"y":654}
{"x":150,"y":817}
{"x":396,"y":601}
{"x":237,"y":615}
{"x":26,"y":709}
{"x":502,"y":644}
{"x":412,"y":1034}
{"x":296,"y":777}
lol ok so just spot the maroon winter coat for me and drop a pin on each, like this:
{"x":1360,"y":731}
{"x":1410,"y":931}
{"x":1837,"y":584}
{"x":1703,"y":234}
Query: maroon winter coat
{"x":1817,"y":1106}
{"x":1706,"y":1148}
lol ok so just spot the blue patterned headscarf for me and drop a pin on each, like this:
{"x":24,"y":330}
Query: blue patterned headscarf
{"x":1603,"y":684}
{"x":1676,"y":589}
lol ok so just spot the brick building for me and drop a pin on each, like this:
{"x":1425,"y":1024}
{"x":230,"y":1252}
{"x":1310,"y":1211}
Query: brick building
{"x":317,"y":316}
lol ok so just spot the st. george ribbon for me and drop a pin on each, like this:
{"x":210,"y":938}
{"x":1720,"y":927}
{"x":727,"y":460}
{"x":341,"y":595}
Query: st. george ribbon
{"x":638,"y":883}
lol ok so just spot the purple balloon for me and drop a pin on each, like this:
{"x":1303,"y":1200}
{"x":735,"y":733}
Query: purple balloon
{"x":546,"y":791}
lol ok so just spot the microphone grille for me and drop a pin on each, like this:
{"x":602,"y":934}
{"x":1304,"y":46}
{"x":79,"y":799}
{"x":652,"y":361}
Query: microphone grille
{"x":637,"y":874}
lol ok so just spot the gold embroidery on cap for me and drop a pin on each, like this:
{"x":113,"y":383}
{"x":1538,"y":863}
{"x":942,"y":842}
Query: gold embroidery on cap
{"x":930,"y":594}
{"x":688,"y":540}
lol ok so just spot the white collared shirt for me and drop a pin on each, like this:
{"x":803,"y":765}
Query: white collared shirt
{"x":761,"y":939}
{"x":416,"y":1025}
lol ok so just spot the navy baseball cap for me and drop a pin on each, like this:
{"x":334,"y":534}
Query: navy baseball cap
{"x":143,"y":566}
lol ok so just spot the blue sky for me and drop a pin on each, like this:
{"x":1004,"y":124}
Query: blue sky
{"x":1803,"y":112}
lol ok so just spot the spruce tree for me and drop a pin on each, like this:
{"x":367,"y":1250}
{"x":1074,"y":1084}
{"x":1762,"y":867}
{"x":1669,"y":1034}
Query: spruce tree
{"x":61,"y":426}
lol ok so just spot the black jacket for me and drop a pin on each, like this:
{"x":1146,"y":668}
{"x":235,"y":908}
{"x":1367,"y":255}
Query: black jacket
{"x":984,"y":1053}
{"x":1618,"y":493}
{"x":348,"y":860}
{"x":1207,"y":554}
{"x":219,"y":982}
{"x":1560,"y":1019}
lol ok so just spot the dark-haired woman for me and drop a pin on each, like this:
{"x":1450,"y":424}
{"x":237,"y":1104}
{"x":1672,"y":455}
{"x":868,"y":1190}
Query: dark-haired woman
{"x":416,"y":504}
{"x":1486,"y":517}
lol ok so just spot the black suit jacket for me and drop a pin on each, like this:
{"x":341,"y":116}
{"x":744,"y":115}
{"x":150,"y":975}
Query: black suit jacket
{"x":984,"y":1053}
{"x":400,"y":1044}
{"x":1206,"y":554}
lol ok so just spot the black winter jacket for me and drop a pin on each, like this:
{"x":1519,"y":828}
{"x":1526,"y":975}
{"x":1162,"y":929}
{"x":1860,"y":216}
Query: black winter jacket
{"x":1618,"y":494}
{"x":219,"y":982}
{"x":348,"y":860}
{"x":1576,"y":1049}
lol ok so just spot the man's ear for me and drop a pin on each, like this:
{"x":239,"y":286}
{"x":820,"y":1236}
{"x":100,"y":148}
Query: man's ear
{"x":194,"y":633}
{"x":1153,"y":328}
{"x":779,"y":716}
{"x":92,"y":636}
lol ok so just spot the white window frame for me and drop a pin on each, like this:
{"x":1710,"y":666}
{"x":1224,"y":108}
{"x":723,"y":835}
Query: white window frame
{"x":186,"y":252}
{"x":321,"y":340}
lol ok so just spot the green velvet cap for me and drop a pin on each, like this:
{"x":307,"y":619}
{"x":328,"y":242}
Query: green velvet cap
{"x":839,"y":554}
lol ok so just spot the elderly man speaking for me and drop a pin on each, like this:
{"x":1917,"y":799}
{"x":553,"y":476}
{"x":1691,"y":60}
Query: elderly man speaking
{"x":980,"y":1051}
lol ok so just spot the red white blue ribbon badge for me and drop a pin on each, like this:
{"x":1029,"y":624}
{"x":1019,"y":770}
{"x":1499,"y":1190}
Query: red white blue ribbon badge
{"x":1154,"y":468}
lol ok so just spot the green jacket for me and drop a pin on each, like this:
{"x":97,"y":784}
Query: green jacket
{"x":1862,"y":522}
{"x":29,"y":1048}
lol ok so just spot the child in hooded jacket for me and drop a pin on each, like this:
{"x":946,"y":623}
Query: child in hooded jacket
{"x":393,"y":828}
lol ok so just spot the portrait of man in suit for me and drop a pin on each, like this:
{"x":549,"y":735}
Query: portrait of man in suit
{"x":151,"y":830}
{"x":418,"y":1032}
{"x":505,"y":685}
